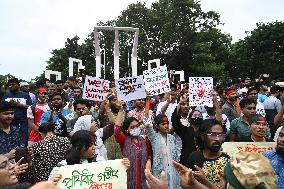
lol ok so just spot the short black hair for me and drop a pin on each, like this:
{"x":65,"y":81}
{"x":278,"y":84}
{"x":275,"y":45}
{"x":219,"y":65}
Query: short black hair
{"x":71,"y":78}
{"x":246,"y":101}
{"x":251,"y":89}
{"x":204,"y":128}
{"x":81,"y":101}
{"x":13,"y":80}
{"x":46,"y":127}
{"x":58,"y":82}
{"x":5,"y":106}
{"x":56,"y":94}
{"x":274,"y":89}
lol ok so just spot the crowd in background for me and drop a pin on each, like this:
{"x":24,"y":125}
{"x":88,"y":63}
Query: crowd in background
{"x":163,"y":142}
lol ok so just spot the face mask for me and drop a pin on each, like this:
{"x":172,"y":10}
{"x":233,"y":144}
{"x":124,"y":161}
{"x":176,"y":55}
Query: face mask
{"x":135,"y":132}
{"x":196,"y":120}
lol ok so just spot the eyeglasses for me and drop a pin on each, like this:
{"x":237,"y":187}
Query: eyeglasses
{"x":214,"y":135}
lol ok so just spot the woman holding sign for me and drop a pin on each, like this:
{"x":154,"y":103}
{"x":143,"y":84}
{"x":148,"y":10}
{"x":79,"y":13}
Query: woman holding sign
{"x":82,"y":151}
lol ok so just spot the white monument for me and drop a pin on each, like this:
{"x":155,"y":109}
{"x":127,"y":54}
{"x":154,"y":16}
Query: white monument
{"x":156,"y":61}
{"x":181,"y":75}
{"x":71,"y":64}
{"x":116,"y":49}
{"x":48,"y":73}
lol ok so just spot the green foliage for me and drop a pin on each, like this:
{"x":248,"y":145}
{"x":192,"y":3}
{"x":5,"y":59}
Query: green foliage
{"x":260,"y":52}
{"x":185,"y":38}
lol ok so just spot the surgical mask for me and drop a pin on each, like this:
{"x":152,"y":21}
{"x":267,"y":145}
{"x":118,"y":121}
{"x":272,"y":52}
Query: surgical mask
{"x":196,"y":120}
{"x":135,"y":132}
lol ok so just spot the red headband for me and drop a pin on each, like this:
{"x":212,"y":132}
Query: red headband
{"x":230,"y":92}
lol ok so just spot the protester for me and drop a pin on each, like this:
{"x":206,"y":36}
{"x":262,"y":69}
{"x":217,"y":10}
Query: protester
{"x":34,"y":114}
{"x":262,"y":89}
{"x":137,"y":149}
{"x":230,"y":106}
{"x":276,"y":158}
{"x":9,"y":133}
{"x":108,"y":112}
{"x":58,"y":115}
{"x":240,"y":126}
{"x":272,"y":106}
{"x":21,"y":102}
{"x":252,"y":94}
{"x":82,"y":151}
{"x":81,"y":107}
{"x":259,"y":128}
{"x":87,"y":122}
{"x":186,"y":130}
{"x":48,"y":152}
{"x":9,"y":172}
{"x":209,"y":162}
{"x":168,"y":106}
{"x":165,"y":147}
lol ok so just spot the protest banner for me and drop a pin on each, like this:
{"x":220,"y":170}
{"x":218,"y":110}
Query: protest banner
{"x":156,"y":80}
{"x":104,"y":174}
{"x":233,"y":147}
{"x":200,"y":89}
{"x":95,"y":88}
{"x":130,"y":88}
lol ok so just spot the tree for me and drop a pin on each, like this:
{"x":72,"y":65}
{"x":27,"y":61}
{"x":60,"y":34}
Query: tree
{"x":260,"y":52}
{"x":178,"y":32}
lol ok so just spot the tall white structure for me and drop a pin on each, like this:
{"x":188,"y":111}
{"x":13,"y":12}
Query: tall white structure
{"x":48,"y":73}
{"x":156,"y":61}
{"x":181,"y":75}
{"x":116,"y":49}
{"x":71,"y":65}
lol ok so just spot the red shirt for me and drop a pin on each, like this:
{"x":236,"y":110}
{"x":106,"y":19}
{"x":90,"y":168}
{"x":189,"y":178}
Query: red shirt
{"x":38,"y":111}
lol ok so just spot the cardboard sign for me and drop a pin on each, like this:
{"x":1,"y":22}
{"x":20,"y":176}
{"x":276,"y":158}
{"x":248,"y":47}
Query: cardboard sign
{"x":95,"y":88}
{"x":157,"y":80}
{"x":200,"y":89}
{"x":233,"y":147}
{"x":130,"y":88}
{"x":103,"y":174}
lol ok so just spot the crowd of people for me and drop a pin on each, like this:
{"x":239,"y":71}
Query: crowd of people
{"x":162,"y":141}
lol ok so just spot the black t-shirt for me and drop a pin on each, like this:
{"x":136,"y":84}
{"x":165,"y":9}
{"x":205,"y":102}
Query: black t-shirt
{"x":213,"y":168}
{"x":248,"y":139}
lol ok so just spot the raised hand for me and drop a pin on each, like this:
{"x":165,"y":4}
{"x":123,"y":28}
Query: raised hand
{"x":155,"y":183}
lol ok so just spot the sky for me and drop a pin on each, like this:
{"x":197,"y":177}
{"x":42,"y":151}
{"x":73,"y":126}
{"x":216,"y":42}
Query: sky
{"x":31,"y":29}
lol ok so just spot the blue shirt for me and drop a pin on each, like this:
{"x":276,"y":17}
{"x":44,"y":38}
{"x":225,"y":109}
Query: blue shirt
{"x":11,"y":140}
{"x":277,"y":163}
{"x":60,"y":128}
{"x":22,"y":98}
{"x":261,"y":97}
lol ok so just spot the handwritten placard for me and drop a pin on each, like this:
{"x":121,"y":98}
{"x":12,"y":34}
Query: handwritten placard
{"x":130,"y":88}
{"x":104,"y":174}
{"x":95,"y":89}
{"x":157,"y":80}
{"x":200,"y":89}
{"x":233,"y":147}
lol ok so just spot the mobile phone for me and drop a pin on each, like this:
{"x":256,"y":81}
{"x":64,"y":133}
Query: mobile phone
{"x":21,"y":152}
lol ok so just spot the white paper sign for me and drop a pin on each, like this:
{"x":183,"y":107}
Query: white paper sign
{"x":95,"y":88}
{"x":130,"y":88}
{"x":157,"y":80}
{"x":18,"y":100}
{"x":103,"y":174}
{"x":200,"y":89}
